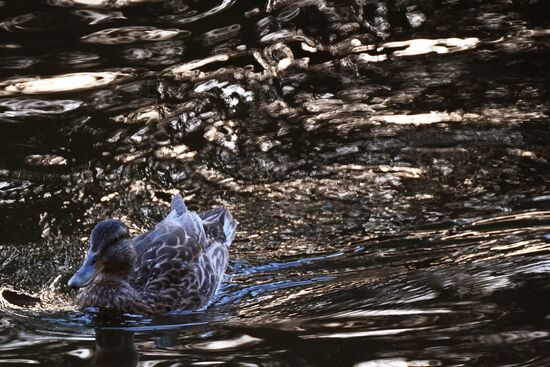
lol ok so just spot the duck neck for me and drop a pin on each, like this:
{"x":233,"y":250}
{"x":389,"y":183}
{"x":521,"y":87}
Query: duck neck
{"x":112,"y":278}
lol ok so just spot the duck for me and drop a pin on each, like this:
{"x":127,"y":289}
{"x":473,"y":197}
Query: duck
{"x":178,"y":265}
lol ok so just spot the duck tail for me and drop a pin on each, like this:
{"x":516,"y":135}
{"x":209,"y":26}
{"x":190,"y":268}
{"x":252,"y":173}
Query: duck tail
{"x":229,"y":227}
{"x":178,"y":205}
{"x":219,"y":225}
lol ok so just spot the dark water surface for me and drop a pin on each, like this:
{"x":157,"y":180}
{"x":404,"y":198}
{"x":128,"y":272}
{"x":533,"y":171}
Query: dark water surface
{"x":388,"y":162}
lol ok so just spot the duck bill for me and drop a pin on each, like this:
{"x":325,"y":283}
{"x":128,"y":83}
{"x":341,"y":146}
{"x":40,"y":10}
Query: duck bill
{"x":86,"y":273}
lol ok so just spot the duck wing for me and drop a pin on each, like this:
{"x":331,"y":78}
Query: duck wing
{"x":182,"y":260}
{"x":179,"y":224}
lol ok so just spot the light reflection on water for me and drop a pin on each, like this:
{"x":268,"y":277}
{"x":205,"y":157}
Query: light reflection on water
{"x":387,"y":162}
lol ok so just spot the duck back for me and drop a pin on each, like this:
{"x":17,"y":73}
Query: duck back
{"x":181,"y":262}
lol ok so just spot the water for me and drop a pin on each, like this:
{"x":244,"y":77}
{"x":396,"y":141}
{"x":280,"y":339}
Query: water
{"x":387,"y":161}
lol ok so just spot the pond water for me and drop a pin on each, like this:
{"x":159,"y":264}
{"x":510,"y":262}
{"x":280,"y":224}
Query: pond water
{"x":388,"y":163}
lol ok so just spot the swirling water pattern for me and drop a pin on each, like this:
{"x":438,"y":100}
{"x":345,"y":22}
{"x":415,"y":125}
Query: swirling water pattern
{"x":387,"y":161}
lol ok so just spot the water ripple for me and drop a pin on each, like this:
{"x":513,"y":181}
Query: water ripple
{"x":63,"y":83}
{"x":131,"y":34}
{"x":14,"y":108}
{"x":387,"y":163}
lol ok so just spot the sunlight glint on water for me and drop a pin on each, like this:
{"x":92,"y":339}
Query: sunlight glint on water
{"x":387,"y":162}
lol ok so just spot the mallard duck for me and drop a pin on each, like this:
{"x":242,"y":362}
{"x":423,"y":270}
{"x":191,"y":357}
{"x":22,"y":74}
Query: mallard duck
{"x":176,"y":266}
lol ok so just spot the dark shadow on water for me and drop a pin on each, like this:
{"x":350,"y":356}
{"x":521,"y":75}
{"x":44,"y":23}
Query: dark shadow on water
{"x":115,"y":348}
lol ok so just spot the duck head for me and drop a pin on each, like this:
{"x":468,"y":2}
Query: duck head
{"x":110,"y":251}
